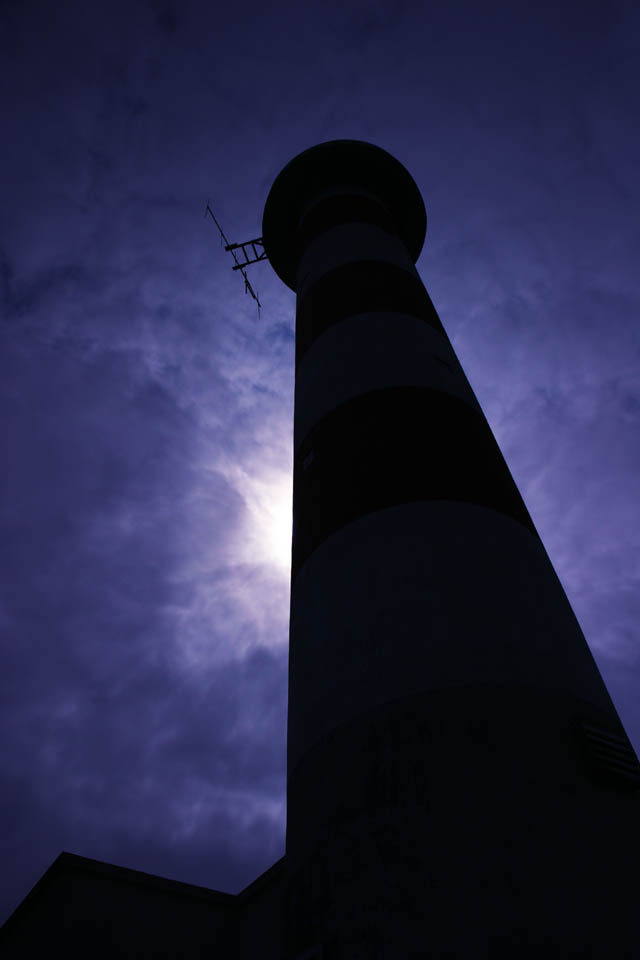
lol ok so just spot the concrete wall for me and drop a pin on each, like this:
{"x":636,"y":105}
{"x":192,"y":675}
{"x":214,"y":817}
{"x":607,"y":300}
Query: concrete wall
{"x":259,"y":929}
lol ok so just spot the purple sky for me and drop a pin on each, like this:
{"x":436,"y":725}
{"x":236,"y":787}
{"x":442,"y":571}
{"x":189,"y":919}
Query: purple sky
{"x":147,"y":411}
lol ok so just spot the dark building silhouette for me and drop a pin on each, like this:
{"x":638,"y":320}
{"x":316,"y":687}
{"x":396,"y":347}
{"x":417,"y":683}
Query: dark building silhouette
{"x":459,"y":782}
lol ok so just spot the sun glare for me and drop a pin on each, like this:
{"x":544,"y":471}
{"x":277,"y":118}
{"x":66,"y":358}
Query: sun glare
{"x":268,"y":498}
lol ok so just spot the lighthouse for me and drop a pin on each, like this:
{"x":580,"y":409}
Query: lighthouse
{"x":459,"y":784}
{"x":458,"y":781}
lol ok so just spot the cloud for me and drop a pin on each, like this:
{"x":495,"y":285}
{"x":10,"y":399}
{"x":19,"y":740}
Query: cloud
{"x":169,"y":16}
{"x":148,"y":407}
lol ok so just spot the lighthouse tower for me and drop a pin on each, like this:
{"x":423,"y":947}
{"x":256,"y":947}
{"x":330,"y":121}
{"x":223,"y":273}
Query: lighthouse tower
{"x":459,"y":783}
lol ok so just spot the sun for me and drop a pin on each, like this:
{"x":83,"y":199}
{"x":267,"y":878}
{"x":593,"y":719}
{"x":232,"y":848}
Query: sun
{"x":268,"y":497}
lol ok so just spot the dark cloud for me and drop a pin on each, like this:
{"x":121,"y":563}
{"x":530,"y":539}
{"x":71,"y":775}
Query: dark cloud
{"x":169,"y":16}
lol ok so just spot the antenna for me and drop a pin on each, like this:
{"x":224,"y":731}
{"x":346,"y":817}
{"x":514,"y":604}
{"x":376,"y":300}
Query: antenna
{"x":257,"y":250}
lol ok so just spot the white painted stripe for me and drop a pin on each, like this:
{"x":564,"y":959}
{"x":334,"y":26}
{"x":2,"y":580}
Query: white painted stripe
{"x":349,"y":243}
{"x":426,"y":596}
{"x":372,"y":351}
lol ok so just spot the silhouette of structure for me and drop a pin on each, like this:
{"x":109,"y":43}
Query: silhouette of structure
{"x":251,"y":251}
{"x":459,"y":782}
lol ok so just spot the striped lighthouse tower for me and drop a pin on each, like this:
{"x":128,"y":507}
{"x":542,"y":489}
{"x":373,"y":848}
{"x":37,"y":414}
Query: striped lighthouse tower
{"x":459,"y":783}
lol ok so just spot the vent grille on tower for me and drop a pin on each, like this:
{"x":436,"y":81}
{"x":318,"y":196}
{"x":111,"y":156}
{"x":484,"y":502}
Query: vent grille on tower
{"x":611,"y":755}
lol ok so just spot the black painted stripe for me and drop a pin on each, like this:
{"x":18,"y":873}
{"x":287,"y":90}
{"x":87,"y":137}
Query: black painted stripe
{"x":393,"y":446}
{"x":341,"y":209}
{"x":366,"y":286}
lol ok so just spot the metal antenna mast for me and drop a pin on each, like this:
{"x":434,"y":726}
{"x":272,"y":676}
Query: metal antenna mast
{"x":257,"y":254}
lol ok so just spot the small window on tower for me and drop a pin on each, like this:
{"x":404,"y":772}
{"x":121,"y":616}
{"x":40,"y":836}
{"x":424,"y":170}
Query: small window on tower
{"x":308,"y":460}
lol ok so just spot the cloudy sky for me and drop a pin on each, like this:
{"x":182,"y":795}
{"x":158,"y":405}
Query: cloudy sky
{"x":147,"y":408}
